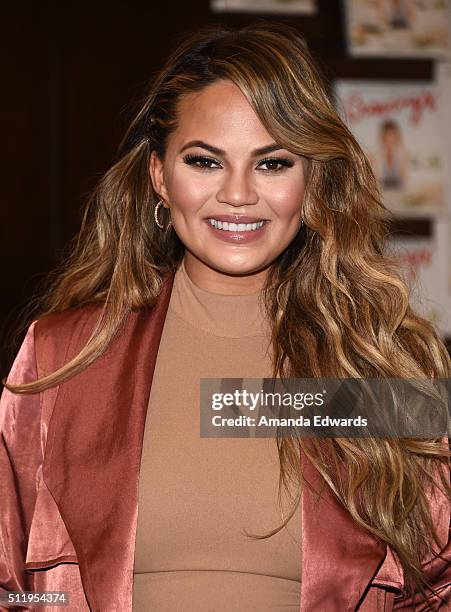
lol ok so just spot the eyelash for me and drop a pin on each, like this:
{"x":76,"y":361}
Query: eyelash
{"x":191,"y":159}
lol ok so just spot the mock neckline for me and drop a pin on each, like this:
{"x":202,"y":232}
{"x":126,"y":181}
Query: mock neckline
{"x":224,"y":315}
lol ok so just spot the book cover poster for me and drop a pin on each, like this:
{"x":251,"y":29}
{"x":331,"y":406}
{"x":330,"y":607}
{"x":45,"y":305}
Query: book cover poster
{"x":398,"y":126}
{"x":425,"y":264}
{"x":443,"y":77}
{"x":398,"y":28}
{"x":281,"y":7}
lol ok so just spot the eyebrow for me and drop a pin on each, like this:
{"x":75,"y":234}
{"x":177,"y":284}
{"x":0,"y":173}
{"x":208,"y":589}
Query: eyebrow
{"x":217,"y":151}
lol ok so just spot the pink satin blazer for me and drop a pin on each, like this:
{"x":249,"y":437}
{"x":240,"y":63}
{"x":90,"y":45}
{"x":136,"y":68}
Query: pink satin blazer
{"x":69,"y":471}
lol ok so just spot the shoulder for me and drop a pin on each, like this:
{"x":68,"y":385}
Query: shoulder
{"x":57,"y":323}
{"x":55,"y":332}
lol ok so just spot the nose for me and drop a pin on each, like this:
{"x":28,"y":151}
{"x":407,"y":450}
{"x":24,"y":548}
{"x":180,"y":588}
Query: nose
{"x":237,"y":189}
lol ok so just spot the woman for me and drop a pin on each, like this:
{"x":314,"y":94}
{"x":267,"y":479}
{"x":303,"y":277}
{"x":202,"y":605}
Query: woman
{"x":393,"y":160}
{"x":158,"y":293}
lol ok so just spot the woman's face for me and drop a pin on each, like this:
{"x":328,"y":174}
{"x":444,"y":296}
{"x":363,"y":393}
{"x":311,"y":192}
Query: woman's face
{"x":221,"y":164}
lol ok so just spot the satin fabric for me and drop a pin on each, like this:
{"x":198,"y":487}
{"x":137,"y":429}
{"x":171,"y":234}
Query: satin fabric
{"x":69,"y":468}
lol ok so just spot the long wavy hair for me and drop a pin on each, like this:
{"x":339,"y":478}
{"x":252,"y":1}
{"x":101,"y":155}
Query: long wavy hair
{"x":339,"y":304}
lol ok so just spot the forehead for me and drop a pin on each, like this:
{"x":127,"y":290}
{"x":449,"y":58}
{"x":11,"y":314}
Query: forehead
{"x":219,"y":114}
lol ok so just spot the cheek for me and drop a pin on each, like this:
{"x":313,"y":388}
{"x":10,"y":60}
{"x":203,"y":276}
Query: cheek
{"x":187,"y":192}
{"x":286,"y":199}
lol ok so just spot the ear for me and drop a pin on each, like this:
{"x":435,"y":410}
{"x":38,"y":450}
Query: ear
{"x":156,"y":172}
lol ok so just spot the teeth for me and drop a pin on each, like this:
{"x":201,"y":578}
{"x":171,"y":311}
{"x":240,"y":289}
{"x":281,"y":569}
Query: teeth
{"x":234,"y":227}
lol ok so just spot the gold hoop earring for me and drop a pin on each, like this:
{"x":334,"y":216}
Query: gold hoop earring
{"x":155,"y":214}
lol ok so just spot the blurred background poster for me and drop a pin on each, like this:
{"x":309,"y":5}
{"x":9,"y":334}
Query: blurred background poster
{"x":398,"y":28}
{"x":426,"y":263}
{"x":281,"y":7}
{"x":443,"y":79}
{"x":398,"y":126}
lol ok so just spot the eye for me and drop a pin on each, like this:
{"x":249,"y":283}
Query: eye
{"x":276,"y":161}
{"x":199,"y":161}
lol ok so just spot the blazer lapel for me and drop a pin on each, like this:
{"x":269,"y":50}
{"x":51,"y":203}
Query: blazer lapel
{"x":92,"y":466}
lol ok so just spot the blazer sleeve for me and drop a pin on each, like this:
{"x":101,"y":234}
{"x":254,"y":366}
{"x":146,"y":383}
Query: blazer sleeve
{"x":20,"y":457}
{"x":438,"y":568}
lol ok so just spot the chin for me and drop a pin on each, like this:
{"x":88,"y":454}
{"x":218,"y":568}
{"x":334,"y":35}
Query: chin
{"x":240,"y":268}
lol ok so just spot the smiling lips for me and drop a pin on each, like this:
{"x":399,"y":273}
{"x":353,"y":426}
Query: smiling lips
{"x":236,"y":223}
{"x":237,"y":228}
{"x":236,"y":218}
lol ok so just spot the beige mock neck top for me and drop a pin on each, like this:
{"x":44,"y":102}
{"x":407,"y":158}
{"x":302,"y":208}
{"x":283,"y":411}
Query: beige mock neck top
{"x":197,"y":496}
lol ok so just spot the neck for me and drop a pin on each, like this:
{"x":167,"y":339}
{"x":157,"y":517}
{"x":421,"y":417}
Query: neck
{"x":217,"y":281}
